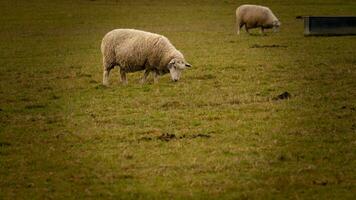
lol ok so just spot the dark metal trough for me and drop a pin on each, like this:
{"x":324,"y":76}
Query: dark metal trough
{"x":329,"y":25}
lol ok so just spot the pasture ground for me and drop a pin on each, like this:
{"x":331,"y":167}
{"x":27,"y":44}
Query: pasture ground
{"x":215,"y":134}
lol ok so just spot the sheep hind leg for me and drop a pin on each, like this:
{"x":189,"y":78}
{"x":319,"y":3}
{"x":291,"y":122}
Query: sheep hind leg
{"x":262,"y":31}
{"x":247,"y":30}
{"x":107,"y":69}
{"x":238,"y":27}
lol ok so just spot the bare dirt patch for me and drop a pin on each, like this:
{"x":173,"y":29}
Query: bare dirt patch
{"x":284,"y":95}
{"x":166,"y":137}
{"x":268,"y":46}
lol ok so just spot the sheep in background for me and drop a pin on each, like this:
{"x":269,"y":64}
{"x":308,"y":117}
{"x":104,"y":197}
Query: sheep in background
{"x":134,"y":50}
{"x":254,"y":16}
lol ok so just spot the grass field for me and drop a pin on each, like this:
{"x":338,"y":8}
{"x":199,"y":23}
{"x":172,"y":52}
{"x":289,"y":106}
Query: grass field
{"x":215,"y":134}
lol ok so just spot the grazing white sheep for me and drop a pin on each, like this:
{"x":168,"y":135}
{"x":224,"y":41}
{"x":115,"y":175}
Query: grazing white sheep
{"x":254,"y":16}
{"x":134,"y":50}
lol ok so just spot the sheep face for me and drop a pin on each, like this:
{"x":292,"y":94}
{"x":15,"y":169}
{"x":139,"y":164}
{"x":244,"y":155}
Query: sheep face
{"x":176,"y":67}
{"x":276,"y":24}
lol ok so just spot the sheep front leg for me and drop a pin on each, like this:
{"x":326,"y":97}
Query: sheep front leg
{"x":155,"y":77}
{"x":123,"y":77}
{"x":145,"y":74}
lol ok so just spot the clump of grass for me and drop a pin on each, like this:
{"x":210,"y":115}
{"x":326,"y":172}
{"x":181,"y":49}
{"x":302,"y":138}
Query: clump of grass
{"x":35,"y":106}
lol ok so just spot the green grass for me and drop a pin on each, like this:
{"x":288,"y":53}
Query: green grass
{"x":64,"y":135}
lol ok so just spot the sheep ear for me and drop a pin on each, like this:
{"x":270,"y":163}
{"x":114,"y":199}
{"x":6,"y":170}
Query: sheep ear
{"x":188,"y":65}
{"x":172,"y":62}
